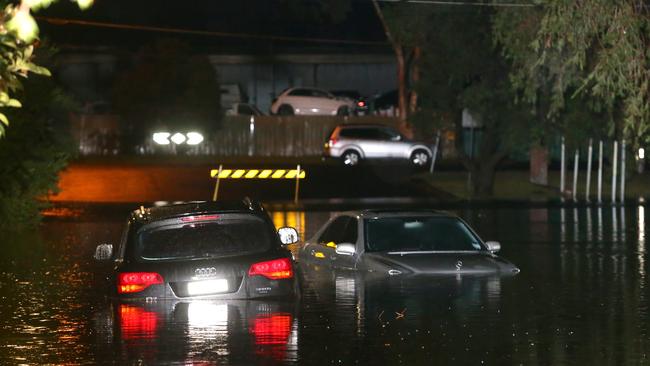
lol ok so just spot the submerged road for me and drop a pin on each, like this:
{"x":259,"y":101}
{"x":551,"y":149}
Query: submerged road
{"x":113,"y":183}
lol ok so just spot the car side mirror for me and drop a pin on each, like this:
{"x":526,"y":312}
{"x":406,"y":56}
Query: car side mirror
{"x":103,"y":252}
{"x":493,"y":246}
{"x":345,"y":249}
{"x":288,"y":235}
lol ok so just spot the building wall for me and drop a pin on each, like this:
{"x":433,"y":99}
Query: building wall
{"x":89,"y":76}
{"x":262,"y":80}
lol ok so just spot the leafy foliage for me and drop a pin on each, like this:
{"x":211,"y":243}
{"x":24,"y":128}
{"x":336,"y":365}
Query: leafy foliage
{"x":167,"y":87}
{"x":595,"y":48}
{"x":33,"y":151}
{"x":18,"y":32}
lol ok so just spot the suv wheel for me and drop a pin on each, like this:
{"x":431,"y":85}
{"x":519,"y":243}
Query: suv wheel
{"x":343,"y":111}
{"x":420,"y":158}
{"x":351,"y":158}
{"x":285,"y":110}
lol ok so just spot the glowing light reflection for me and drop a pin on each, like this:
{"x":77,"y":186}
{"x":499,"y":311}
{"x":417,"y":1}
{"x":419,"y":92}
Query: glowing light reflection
{"x":205,"y":314}
{"x":641,"y":245}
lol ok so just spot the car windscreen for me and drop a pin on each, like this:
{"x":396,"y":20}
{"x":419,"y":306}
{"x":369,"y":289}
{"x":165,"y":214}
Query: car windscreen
{"x":203,"y":237}
{"x":419,"y":233}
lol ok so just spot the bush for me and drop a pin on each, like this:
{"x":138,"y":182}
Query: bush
{"x":33,"y":151}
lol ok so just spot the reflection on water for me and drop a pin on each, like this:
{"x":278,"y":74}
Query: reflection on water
{"x":580,"y":299}
{"x":204,"y":331}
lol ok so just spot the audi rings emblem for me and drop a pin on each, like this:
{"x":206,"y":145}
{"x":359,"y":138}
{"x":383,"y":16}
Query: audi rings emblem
{"x":459,"y":265}
{"x":205,"y":272}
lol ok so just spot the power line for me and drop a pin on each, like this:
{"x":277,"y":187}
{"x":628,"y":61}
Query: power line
{"x":139,"y":27}
{"x":462,"y":3}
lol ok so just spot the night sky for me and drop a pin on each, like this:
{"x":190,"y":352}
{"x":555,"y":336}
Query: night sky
{"x":332,"y":19}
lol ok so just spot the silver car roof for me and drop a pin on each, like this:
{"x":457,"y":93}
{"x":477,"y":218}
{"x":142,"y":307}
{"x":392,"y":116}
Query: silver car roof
{"x":381,"y":213}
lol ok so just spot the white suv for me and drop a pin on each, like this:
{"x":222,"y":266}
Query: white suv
{"x":310,"y":101}
{"x":353,"y":142}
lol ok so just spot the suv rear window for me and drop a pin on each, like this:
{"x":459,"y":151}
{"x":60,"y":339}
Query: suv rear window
{"x":369,"y":133}
{"x":222,"y":235}
{"x":359,"y":133}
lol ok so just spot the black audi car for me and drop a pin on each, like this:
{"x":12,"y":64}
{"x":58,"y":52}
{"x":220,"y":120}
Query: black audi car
{"x":204,"y":250}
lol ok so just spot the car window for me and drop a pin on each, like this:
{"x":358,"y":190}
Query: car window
{"x":220,"y":236}
{"x":342,"y":230}
{"x":389,"y":134}
{"x":351,"y":230}
{"x":300,"y":93}
{"x":319,"y":93}
{"x":423,"y":233}
{"x":359,"y":133}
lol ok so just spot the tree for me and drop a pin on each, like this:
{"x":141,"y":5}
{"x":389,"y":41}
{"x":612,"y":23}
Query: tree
{"x":461,"y":69}
{"x":18,"y":34}
{"x":405,"y":25}
{"x":596,"y":49}
{"x":168,"y":87}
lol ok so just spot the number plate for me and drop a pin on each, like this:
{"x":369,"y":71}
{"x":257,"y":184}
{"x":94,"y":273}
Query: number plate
{"x":207,"y":287}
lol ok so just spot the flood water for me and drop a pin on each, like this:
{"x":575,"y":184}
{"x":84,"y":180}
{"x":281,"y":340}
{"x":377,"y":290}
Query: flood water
{"x":581,"y":298}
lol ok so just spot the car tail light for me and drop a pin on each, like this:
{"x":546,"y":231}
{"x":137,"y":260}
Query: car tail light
{"x":129,"y":282}
{"x":361,"y":103}
{"x":275,"y":270}
{"x":332,"y":141}
{"x":199,"y":218}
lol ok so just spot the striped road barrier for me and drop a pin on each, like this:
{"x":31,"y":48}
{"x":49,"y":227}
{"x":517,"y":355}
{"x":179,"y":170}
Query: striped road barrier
{"x":277,"y":174}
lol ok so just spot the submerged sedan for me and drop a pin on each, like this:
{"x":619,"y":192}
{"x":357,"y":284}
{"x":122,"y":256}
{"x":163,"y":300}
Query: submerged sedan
{"x":403,"y":242}
{"x":214,"y":250}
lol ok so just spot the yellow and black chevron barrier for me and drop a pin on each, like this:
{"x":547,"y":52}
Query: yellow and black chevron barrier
{"x":257,"y":174}
{"x":222,"y":173}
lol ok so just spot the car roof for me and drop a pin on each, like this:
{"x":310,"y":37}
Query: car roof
{"x":396,"y":212}
{"x":145,"y":215}
{"x":365,"y":125}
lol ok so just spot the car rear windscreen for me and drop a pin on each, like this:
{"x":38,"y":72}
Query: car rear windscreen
{"x":203,"y":237}
{"x":419,"y":233}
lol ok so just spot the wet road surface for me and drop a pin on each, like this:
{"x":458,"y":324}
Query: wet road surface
{"x":581,"y":299}
{"x":169,"y":182}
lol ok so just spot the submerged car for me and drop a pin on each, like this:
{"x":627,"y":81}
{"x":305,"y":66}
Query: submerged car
{"x":214,"y":250}
{"x":310,"y":101}
{"x":352,"y":143}
{"x":396,"y":242}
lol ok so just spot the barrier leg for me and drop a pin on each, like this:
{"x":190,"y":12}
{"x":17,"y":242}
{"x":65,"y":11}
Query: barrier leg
{"x":216,"y":185}
{"x":295,"y":197}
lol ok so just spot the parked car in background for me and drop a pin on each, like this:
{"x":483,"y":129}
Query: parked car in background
{"x":384,"y":104}
{"x":360,"y":103}
{"x":310,"y":101}
{"x":402,"y":242}
{"x":353,"y":143}
{"x":201,"y":250}
{"x":243,"y":109}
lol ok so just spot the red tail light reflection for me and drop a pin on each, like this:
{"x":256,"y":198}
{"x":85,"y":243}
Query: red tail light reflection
{"x":137,"y":323}
{"x":271,"y":332}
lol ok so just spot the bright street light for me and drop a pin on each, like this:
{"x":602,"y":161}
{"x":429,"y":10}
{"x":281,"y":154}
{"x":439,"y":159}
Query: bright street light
{"x":178,"y":138}
{"x":161,"y":138}
{"x":194,"y":138}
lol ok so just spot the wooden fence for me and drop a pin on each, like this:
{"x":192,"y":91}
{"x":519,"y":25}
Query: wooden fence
{"x":278,"y":136}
